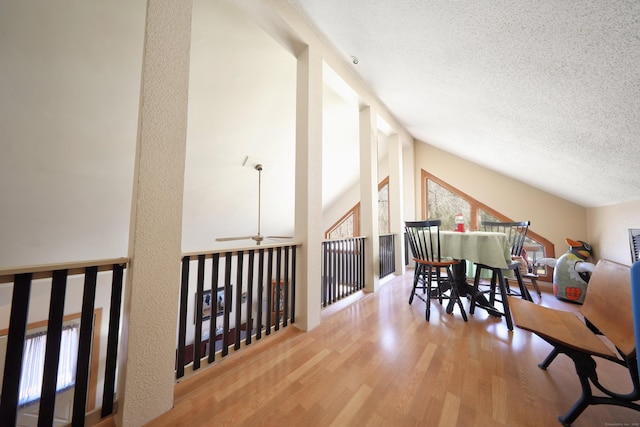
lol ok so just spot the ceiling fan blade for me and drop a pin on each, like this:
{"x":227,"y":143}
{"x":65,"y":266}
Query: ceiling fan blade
{"x":279,"y":237}
{"x":228,"y":239}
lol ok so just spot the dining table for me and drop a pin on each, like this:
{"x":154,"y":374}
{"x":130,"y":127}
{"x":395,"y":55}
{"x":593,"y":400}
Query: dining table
{"x":481,"y":247}
{"x":478,"y":247}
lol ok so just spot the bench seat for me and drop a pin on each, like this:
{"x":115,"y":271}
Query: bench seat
{"x":562,"y":326}
{"x":606,"y":332}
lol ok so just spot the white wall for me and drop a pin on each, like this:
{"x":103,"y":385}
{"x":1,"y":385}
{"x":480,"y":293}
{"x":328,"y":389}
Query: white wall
{"x":241,"y":103}
{"x":69,"y":97}
{"x":608,"y":230}
{"x":351,"y":196}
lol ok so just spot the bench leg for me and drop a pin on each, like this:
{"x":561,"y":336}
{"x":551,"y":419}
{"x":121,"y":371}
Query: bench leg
{"x":547,"y":361}
{"x":586,"y":369}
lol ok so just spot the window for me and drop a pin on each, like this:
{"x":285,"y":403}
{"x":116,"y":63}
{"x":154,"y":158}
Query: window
{"x":445,"y":204}
{"x":443,"y":201}
{"x":349,"y":224}
{"x":33,"y":363}
{"x":383,"y":207}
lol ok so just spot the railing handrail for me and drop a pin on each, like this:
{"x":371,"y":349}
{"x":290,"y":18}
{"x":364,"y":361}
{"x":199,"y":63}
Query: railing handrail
{"x":340,"y":239}
{"x":208,"y":253}
{"x":356,"y":237}
{"x":44,"y":271}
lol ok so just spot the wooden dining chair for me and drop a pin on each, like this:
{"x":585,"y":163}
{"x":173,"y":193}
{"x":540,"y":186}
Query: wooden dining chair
{"x":516,"y":233}
{"x":432,"y":275}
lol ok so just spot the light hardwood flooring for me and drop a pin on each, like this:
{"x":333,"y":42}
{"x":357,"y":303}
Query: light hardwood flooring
{"x":377,"y":362}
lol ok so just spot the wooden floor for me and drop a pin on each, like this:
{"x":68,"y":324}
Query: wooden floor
{"x":377,"y":362}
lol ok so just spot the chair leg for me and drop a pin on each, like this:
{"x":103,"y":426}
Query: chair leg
{"x":416,"y":279}
{"x":523,"y":289}
{"x":415,"y":283}
{"x":475,"y":290}
{"x":441,"y":286}
{"x":492,"y":287}
{"x":505,"y":299}
{"x":428,"y":289}
{"x":477,"y":297}
{"x":534,"y":282}
{"x":427,"y":284}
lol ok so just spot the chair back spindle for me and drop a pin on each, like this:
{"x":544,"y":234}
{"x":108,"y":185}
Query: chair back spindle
{"x":516,"y":233}
{"x":424,"y":239}
{"x":634,"y":243}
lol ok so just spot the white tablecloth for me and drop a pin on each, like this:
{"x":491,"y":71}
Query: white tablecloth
{"x":482,"y":247}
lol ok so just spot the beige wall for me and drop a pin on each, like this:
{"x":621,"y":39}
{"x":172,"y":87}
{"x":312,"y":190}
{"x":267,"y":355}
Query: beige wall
{"x":608,"y":230}
{"x":68,"y":119}
{"x":550,"y":216}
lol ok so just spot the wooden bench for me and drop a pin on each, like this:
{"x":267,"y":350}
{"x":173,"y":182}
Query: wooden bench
{"x":608,"y":312}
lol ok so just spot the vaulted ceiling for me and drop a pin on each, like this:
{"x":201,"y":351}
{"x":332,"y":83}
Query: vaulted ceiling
{"x":546,"y":92}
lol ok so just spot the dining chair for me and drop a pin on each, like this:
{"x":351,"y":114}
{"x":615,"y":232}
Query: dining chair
{"x":525,"y":273}
{"x":516,"y":233}
{"x":634,"y":243}
{"x":432,"y":275}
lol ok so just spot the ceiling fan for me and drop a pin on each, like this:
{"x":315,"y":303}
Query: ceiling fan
{"x":258,"y":238}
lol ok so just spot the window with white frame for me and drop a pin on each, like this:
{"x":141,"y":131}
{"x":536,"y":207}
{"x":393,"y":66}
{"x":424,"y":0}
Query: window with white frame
{"x":33,"y":363}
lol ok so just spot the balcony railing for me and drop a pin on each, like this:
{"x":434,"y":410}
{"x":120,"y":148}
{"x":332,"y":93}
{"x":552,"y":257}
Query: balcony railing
{"x":342,"y":268}
{"x":104,"y":277}
{"x":240,"y":295}
{"x":387,"y":255}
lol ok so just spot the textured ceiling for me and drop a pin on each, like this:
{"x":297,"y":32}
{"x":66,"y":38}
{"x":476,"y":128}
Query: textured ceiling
{"x":546,"y":92}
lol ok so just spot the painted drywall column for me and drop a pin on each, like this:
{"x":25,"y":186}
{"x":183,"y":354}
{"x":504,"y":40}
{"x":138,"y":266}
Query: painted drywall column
{"x":147,"y":358}
{"x":369,"y":198}
{"x":308,"y":216}
{"x":396,"y":199}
